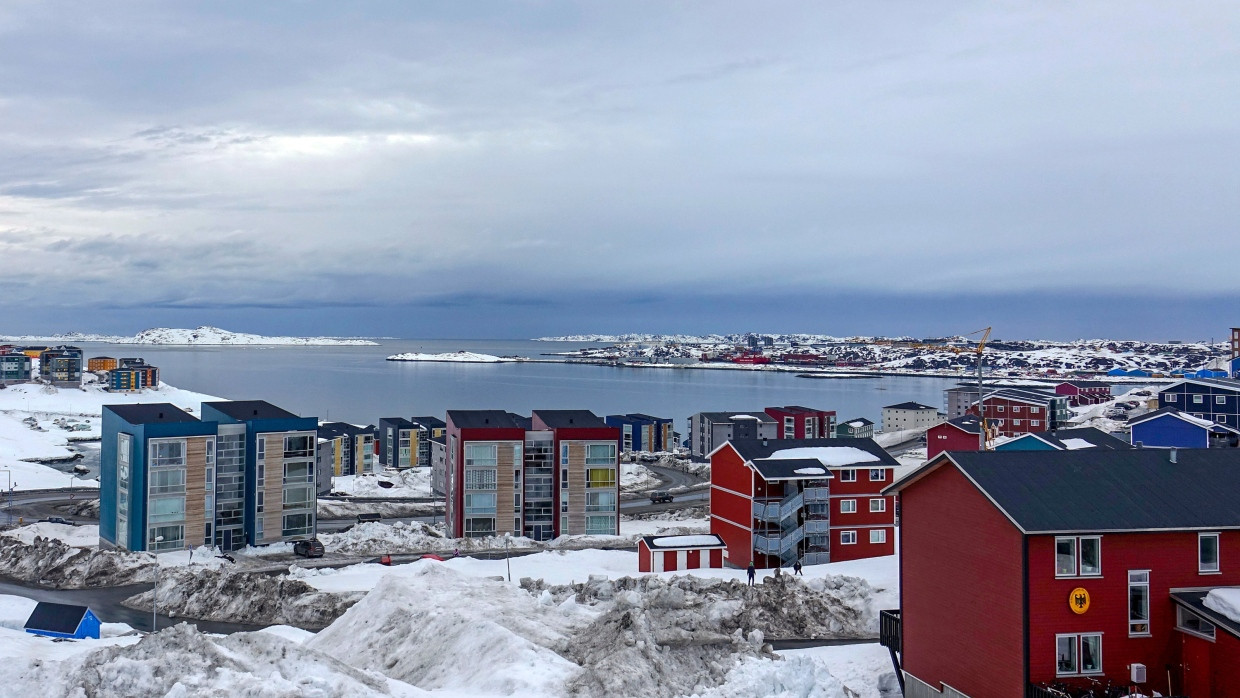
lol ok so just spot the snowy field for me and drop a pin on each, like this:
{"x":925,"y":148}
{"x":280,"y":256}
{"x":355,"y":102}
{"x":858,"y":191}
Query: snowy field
{"x":456,"y":357}
{"x":46,"y":404}
{"x":411,"y":483}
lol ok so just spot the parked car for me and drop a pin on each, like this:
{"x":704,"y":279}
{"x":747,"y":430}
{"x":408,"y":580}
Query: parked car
{"x":369,"y":517}
{"x":308,"y":548}
{"x":58,"y":520}
{"x":661,"y":497}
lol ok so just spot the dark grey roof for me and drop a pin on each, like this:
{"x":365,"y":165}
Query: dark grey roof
{"x":430,"y":422}
{"x":797,"y":409}
{"x":1100,"y":439}
{"x":1194,"y":600}
{"x":849,"y":422}
{"x":1224,"y":383}
{"x":910,"y":406}
{"x":333,"y":429}
{"x":484,"y":419}
{"x":793,"y":468}
{"x":440,"y":439}
{"x":639,"y":415}
{"x":245,"y":410}
{"x":56,"y":617}
{"x":1089,"y":490}
{"x":1086,"y":384}
{"x":570,"y":419}
{"x":968,"y":423}
{"x":651,"y":539}
{"x":725,"y":417}
{"x":398,"y":422}
{"x":153,"y":413}
{"x":752,"y":449}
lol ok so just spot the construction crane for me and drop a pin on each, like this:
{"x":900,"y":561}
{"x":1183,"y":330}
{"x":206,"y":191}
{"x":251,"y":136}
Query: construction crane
{"x":981,"y":406}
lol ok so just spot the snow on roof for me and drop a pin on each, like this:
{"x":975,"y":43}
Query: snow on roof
{"x":742,"y":416}
{"x":857,"y":423}
{"x":1074,"y":444}
{"x":1224,"y":601}
{"x":830,"y":456}
{"x":696,"y":541}
{"x":1195,"y":420}
{"x":810,"y":471}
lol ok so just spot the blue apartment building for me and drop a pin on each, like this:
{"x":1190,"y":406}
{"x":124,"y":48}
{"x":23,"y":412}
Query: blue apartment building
{"x":642,"y":432}
{"x":1212,"y":399}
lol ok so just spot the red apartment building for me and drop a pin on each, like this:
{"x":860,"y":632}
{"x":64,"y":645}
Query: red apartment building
{"x":774,"y":501}
{"x":1012,"y":412}
{"x":796,"y":422}
{"x":1084,"y":392}
{"x":1021,"y":569}
{"x":544,"y":476}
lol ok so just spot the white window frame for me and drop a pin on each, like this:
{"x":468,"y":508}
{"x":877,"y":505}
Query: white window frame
{"x":880,"y":472}
{"x":1139,"y":579}
{"x":1076,"y":557}
{"x":848,"y":537}
{"x":1168,"y":397}
{"x":878,"y":536}
{"x":848,"y":506}
{"x":1220,"y":399}
{"x":848,"y":475}
{"x":1078,"y":645}
{"x":1198,"y":399}
{"x":1181,"y":612}
{"x":1016,"y":422}
{"x":1035,"y":422}
{"x":1035,"y":410}
{"x":1218,"y":561}
{"x":881,"y":504}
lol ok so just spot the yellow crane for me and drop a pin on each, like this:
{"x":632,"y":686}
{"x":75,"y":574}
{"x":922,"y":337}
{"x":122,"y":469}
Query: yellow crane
{"x":983,"y":425}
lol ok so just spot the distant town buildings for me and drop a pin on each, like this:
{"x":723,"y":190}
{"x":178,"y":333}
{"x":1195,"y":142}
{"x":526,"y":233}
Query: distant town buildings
{"x":1212,"y":399}
{"x":860,"y":428}
{"x":1080,"y":438}
{"x":1168,"y":427}
{"x":61,"y":366}
{"x":1082,"y":392}
{"x":642,"y":432}
{"x":911,"y":415}
{"x":15,"y":367}
{"x":357,"y":447}
{"x":710,"y":430}
{"x":797,"y":422}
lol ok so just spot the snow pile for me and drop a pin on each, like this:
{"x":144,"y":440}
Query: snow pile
{"x":797,"y":677}
{"x":411,"y":483}
{"x":695,"y":513}
{"x":1076,"y":444}
{"x":225,"y":594}
{"x":214,"y":336}
{"x":830,"y":456}
{"x":687,"y":541}
{"x":414,"y":537}
{"x":810,"y":471}
{"x":1224,"y":601}
{"x":635,"y":477}
{"x":75,"y":536}
{"x":340,"y":509}
{"x":431,"y":629}
{"x":457,"y":357}
{"x":180,"y":661}
{"x":53,"y":563}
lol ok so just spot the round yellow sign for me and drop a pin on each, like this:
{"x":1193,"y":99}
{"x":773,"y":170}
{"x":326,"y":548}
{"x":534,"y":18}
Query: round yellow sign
{"x":1078,"y":600}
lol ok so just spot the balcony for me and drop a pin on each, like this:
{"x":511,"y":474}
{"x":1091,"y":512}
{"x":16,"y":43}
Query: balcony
{"x":778,"y":510}
{"x":890,"y":629}
{"x":817,"y":494}
{"x":778,"y":545}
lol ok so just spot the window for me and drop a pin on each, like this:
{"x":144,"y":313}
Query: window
{"x":1016,"y":408}
{"x":564,"y":478}
{"x":848,"y":506}
{"x":1138,"y":602}
{"x":259,"y":501}
{"x":300,"y":497}
{"x":1168,"y":397}
{"x":1035,"y":410}
{"x":848,"y":475}
{"x":1035,"y":422}
{"x":563,"y":454}
{"x":480,"y":478}
{"x":848,"y":537}
{"x":298,"y":446}
{"x":167,"y":453}
{"x":1220,"y":399}
{"x":1193,"y":624}
{"x":166,"y":509}
{"x":1078,"y":654}
{"x":878,"y":505}
{"x":297,"y":525}
{"x":480,"y":503}
{"x":167,"y":481}
{"x":298,"y":472}
{"x":878,"y":535}
{"x":258,"y":529}
{"x":999,"y":408}
{"x":165,"y":538}
{"x":789,"y":427}
{"x":600,"y":525}
{"x":600,"y":501}
{"x":600,"y":477}
{"x":1078,"y":556}
{"x":481,"y":455}
{"x":1198,"y":399}
{"x":1207,"y":553}
{"x":1016,"y":422}
{"x":878,"y":475}
{"x":261,"y":450}
{"x":600,"y":454}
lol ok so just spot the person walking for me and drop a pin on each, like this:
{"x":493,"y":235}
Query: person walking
{"x":796,"y":567}
{"x":750,"y":571}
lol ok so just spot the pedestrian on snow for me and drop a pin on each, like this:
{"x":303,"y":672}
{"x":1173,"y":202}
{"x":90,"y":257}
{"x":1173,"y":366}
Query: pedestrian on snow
{"x":456,"y":552}
{"x":796,"y":567}
{"x":750,"y":571}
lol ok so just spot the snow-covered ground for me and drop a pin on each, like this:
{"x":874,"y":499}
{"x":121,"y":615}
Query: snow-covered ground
{"x":414,"y":482}
{"x":214,"y":336}
{"x":458,"y":357}
{"x":635,"y":477}
{"x":75,"y":536}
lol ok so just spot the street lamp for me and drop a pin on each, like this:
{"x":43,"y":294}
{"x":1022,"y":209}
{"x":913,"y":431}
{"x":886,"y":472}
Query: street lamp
{"x":9,"y":489}
{"x":155,"y":589}
{"x":507,"y":561}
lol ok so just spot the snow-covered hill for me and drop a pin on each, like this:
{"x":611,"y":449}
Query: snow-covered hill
{"x":456,"y":357}
{"x":215,"y":336}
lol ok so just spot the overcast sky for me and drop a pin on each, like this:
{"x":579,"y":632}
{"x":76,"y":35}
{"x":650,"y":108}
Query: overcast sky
{"x":455,"y":169}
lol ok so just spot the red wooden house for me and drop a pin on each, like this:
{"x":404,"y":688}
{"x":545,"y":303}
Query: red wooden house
{"x":675,"y":553}
{"x":1025,"y":568}
{"x":1013,"y":412}
{"x":796,"y":422}
{"x":774,"y":501}
{"x":959,"y":434}
{"x":1084,"y":392}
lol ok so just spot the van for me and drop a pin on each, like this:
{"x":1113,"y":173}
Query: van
{"x":369,"y":517}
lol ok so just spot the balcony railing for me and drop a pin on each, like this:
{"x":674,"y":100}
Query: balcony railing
{"x":815,"y":558}
{"x":777,"y":545}
{"x":890,"y":629}
{"x":778,"y":511}
{"x":817,"y":526}
{"x":817,"y":494}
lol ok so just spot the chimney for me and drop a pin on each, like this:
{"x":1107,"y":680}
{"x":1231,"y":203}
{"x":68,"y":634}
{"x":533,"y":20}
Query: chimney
{"x":1174,"y":454}
{"x":764,"y":441}
{"x":161,"y":415}
{"x":255,"y":413}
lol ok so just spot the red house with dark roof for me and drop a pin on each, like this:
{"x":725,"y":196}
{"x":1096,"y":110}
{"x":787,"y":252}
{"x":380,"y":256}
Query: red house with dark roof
{"x":1021,"y":569}
{"x":774,"y":501}
{"x":796,"y":422}
{"x":959,"y":434}
{"x":1084,"y":392}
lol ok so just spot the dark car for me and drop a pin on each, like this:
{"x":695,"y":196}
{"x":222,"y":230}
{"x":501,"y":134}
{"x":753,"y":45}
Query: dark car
{"x":660,"y":497}
{"x":369,"y":517}
{"x":308,"y":548}
{"x":58,"y":520}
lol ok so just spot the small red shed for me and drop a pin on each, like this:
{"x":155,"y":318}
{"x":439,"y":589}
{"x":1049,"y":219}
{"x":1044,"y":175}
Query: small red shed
{"x":674,"y":553}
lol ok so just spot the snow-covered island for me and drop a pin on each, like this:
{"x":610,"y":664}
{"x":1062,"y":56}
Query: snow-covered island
{"x":457,"y":357}
{"x":201,"y":336}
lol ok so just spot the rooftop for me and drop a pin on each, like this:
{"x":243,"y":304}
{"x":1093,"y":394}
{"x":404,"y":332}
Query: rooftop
{"x":484,"y":419}
{"x":1079,"y":438}
{"x":1094,"y":490}
{"x":153,"y":413}
{"x":910,"y":406}
{"x":691,"y":542}
{"x":246,"y":410}
{"x":56,"y":617}
{"x":1173,"y":412}
{"x":725,"y":417}
{"x":570,"y":419}
{"x":968,"y":423}
{"x":429,"y":422}
{"x":754,"y":449}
